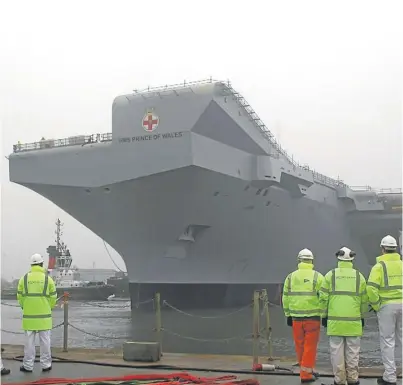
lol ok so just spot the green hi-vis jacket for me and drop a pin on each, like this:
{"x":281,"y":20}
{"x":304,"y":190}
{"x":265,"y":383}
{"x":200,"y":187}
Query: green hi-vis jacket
{"x":37,"y":296}
{"x":301,"y":290}
{"x":385,"y":281}
{"x":343,"y":298}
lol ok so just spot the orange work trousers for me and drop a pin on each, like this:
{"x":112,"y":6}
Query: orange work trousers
{"x":306,"y":338}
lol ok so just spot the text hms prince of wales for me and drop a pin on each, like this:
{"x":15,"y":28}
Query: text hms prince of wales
{"x":142,"y":138}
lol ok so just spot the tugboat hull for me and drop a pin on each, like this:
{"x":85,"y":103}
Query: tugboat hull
{"x":100,"y":293}
{"x":87,"y":293}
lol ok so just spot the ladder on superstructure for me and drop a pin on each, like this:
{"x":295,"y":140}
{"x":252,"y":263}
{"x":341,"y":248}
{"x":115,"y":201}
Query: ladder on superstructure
{"x":321,"y":178}
{"x":253,"y":116}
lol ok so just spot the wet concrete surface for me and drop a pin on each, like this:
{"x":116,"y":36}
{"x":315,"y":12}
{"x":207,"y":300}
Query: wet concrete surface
{"x":214,"y":331}
{"x":66,"y":370}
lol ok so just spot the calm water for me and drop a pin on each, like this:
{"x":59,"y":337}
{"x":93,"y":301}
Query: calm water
{"x":113,"y":323}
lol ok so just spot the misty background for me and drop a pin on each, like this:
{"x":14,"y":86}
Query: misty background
{"x":325,"y":77}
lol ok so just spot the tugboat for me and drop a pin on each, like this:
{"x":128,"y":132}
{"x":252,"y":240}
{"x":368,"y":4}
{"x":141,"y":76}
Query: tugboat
{"x":121,"y":284}
{"x":67,"y":277}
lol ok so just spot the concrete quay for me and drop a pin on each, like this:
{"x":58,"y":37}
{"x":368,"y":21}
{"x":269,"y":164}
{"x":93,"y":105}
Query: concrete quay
{"x":83,"y":363}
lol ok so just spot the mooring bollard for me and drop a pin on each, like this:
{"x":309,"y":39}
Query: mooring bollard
{"x":158,"y":320}
{"x":268,"y":329}
{"x":66,"y":320}
{"x":256,"y":314}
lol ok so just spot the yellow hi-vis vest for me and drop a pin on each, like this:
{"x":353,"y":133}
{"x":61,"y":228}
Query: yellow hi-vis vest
{"x":301,"y":290}
{"x":37,"y":296}
{"x":344,"y":300}
{"x":385,"y":281}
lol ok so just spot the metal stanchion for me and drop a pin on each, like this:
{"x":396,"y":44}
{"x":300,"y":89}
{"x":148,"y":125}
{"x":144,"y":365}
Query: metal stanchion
{"x":268,"y":329}
{"x":158,"y":320}
{"x":66,"y":320}
{"x":256,"y":314}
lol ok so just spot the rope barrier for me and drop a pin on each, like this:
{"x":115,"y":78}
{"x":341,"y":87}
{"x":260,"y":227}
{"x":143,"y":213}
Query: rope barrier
{"x":97,"y":335}
{"x":228,"y":339}
{"x":159,"y":329}
{"x":260,"y":336}
{"x":9,"y":304}
{"x":241,"y":337}
{"x":12,"y":332}
{"x":136,"y":305}
{"x":207,"y":317}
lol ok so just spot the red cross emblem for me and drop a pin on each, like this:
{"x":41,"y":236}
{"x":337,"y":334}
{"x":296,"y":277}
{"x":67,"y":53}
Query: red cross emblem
{"x":150,"y":122}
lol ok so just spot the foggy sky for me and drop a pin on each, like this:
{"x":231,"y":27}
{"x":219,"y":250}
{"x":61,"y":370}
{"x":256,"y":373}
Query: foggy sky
{"x":325,"y":77}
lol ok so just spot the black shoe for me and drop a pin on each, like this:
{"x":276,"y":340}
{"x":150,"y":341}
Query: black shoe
{"x":47,"y":369}
{"x":5,"y":371}
{"x":316,"y":374}
{"x":22,"y":369}
{"x":381,"y":381}
{"x":353,"y":383}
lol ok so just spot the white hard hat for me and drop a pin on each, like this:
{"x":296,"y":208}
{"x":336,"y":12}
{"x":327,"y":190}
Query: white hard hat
{"x":345,"y":254}
{"x":36,"y":259}
{"x":305,"y":254}
{"x":389,"y":242}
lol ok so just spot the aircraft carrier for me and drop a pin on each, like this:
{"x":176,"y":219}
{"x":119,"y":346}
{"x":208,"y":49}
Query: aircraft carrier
{"x":201,"y":202}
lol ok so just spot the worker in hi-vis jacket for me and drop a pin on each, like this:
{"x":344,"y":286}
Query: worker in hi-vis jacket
{"x":344,"y":301}
{"x":385,"y":297}
{"x":301,"y":307}
{"x":37,"y":296}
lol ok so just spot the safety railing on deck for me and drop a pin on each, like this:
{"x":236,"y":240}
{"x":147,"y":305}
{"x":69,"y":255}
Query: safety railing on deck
{"x":80,"y":140}
{"x":321,"y":178}
{"x":172,"y":87}
{"x":392,"y":190}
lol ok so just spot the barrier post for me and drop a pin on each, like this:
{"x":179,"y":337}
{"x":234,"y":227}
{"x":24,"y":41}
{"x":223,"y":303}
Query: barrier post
{"x":256,"y":316}
{"x":66,"y":320}
{"x":268,"y":329}
{"x":158,"y":320}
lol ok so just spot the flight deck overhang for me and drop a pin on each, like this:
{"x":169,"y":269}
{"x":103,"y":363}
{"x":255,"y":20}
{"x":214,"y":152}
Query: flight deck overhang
{"x":367,"y":199}
{"x":106,"y":163}
{"x":206,"y":124}
{"x":102,"y":164}
{"x":99,"y":164}
{"x":271,"y":171}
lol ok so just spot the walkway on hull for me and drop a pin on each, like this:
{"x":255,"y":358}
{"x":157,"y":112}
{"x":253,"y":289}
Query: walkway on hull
{"x":109,"y":363}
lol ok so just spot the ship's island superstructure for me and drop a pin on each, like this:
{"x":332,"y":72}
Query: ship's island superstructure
{"x":198,"y":198}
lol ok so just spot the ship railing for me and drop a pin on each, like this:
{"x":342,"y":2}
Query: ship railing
{"x":177,"y":86}
{"x":81,"y":140}
{"x":280,"y":151}
{"x":388,"y":190}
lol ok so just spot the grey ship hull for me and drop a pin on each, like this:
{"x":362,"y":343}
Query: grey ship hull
{"x":207,"y":207}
